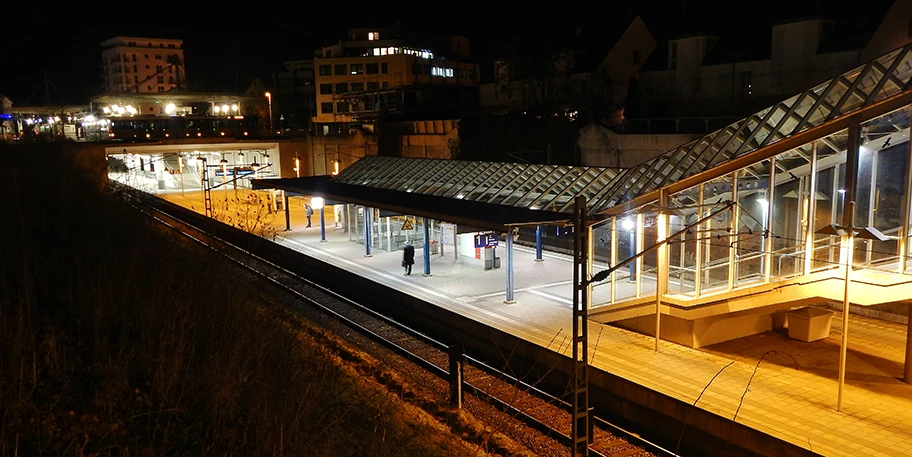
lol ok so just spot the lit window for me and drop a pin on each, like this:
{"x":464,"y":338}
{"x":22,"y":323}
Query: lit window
{"x":377,"y":51}
{"x":373,"y":36}
{"x":384,"y":51}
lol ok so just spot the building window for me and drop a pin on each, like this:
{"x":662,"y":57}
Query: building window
{"x":135,"y":79}
{"x":373,"y":85}
{"x":170,"y":79}
{"x":325,"y":70}
{"x":171,"y":46}
{"x":132,"y":43}
{"x":357,"y":69}
{"x":161,"y":79}
{"x":158,"y":56}
{"x":373,"y":36}
{"x":326,"y":89}
{"x":161,"y":89}
{"x":134,"y":57}
{"x":147,"y":56}
{"x":158,"y":68}
{"x":135,"y":70}
{"x":372,"y":68}
{"x":341,"y":107}
{"x":384,"y":68}
{"x":441,"y":71}
{"x":341,"y":88}
{"x":386,"y":84}
{"x":147,"y":67}
{"x":357,"y":87}
{"x":326,"y":107}
{"x":341,"y":69}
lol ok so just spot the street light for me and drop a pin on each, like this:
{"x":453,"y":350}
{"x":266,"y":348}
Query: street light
{"x":269,"y":98}
{"x":848,"y":232}
{"x":297,"y":167}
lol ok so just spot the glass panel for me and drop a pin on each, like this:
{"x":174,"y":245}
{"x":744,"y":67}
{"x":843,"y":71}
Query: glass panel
{"x":881,"y":181}
{"x":683,"y":251}
{"x":650,"y":260}
{"x":626,"y":245}
{"x":753,"y":219}
{"x":789,"y":211}
{"x":716,"y":233}
{"x":830,"y":176}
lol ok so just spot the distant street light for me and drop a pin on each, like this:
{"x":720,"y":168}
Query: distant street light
{"x":269,"y":98}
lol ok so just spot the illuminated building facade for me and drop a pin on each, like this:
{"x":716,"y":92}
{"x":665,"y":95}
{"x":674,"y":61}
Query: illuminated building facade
{"x":377,"y":71}
{"x":142,"y":65}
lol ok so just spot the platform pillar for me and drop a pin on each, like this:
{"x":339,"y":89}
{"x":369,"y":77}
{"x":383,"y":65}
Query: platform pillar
{"x":427,"y":247}
{"x":287,"y":214}
{"x":322,"y":224}
{"x":509,"y":268}
{"x":368,"y":220}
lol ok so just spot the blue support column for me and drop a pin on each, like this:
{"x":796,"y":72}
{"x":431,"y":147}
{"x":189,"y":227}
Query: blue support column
{"x":509,"y":299}
{"x":287,"y":213}
{"x":368,"y":220}
{"x":538,"y":244}
{"x":427,"y":248}
{"x":322,"y":224}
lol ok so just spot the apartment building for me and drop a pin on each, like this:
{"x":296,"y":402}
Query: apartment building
{"x":374,"y":72}
{"x":142,"y":65}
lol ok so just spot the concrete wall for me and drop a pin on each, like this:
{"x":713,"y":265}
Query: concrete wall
{"x":602,"y":147}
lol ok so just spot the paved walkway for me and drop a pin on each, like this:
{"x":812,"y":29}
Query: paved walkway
{"x":792,"y":385}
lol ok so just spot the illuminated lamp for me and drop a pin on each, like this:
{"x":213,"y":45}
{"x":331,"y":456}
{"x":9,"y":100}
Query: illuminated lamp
{"x":222,"y":133}
{"x":216,"y":109}
{"x":245,"y":133}
{"x":234,"y":107}
{"x":169,"y":108}
{"x":224,"y":108}
{"x":147,"y":135}
{"x":199,"y":134}
{"x":317,"y":202}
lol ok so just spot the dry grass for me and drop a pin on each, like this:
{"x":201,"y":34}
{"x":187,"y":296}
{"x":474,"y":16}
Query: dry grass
{"x":118,"y":341}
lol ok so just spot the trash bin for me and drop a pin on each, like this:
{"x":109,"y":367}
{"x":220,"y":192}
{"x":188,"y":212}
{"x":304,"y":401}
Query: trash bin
{"x":809,"y":324}
{"x":496,"y":262}
{"x":435,"y":247}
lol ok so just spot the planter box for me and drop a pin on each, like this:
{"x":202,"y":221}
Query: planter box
{"x":809,"y":324}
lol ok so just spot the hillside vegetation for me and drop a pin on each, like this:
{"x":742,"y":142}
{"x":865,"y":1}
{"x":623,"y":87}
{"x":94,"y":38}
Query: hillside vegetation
{"x":115,"y":340}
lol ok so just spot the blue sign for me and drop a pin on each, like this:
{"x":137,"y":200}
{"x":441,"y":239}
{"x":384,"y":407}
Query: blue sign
{"x":486,"y":240}
{"x":236,"y":171}
{"x":6,"y":116}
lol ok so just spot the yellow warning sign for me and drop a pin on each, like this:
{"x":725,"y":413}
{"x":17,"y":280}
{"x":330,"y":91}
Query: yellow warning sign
{"x":407,"y":225}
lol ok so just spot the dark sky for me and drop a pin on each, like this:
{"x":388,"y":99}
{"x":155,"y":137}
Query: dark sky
{"x":226,"y":51}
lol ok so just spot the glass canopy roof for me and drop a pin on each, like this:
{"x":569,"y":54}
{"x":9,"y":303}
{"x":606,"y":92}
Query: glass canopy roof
{"x":544,"y":187}
{"x":554,"y":187}
{"x":837,"y":97}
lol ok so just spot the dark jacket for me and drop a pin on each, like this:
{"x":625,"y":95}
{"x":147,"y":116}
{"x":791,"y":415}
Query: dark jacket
{"x":408,"y":254}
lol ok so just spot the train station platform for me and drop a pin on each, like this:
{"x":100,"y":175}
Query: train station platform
{"x":780,"y":386}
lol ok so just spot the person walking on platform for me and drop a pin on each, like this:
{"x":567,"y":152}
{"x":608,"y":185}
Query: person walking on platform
{"x":308,"y":211}
{"x":408,"y":258}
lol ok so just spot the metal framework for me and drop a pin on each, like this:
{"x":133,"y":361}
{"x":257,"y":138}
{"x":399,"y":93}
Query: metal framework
{"x":545,"y":187}
{"x":860,"y":87}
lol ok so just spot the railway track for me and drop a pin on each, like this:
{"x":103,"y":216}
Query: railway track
{"x":534,"y":408}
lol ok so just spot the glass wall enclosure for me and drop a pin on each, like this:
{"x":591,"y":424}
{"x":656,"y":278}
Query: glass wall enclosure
{"x":389,"y":232}
{"x":773,"y":231}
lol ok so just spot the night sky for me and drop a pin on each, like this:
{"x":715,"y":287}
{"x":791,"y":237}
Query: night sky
{"x":227,"y":52}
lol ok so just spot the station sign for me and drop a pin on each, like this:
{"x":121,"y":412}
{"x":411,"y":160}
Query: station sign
{"x":235,"y":171}
{"x":486,"y":240}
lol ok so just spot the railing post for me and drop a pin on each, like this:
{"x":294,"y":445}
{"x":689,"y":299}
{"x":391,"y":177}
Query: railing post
{"x":457,"y":375}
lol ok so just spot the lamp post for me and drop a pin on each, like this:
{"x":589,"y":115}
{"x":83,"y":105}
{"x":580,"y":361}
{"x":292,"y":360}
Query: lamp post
{"x":269,"y":98}
{"x":848,"y":232}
